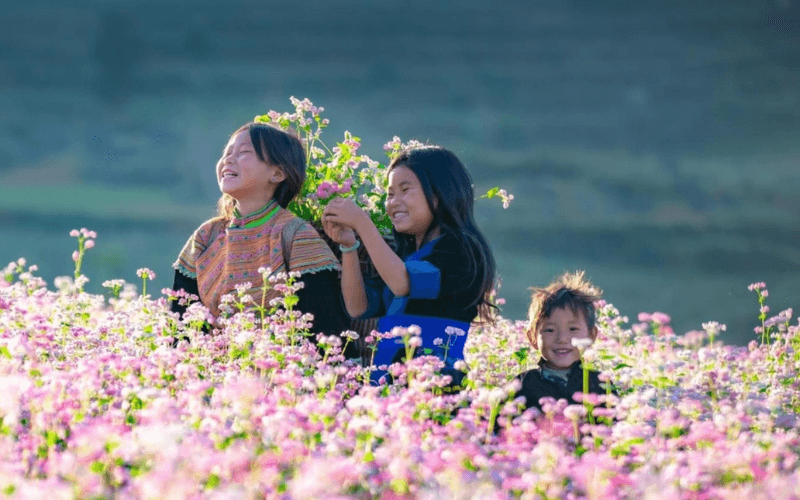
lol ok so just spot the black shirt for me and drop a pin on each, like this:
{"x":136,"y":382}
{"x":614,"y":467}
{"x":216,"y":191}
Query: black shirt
{"x":536,"y":387}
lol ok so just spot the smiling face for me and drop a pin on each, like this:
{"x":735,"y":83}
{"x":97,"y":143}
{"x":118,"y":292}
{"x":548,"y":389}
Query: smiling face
{"x":554,"y":337}
{"x":406,"y":204}
{"x":244,"y":176}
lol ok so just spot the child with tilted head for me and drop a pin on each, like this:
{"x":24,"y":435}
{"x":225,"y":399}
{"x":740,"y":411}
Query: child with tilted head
{"x":561,"y":325}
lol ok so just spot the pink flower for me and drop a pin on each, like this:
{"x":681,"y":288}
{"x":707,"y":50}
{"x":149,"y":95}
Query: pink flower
{"x":76,"y":255}
{"x":345,"y":187}
{"x":146,"y":273}
{"x":325,"y":190}
{"x":661,"y":318}
{"x":88,"y":244}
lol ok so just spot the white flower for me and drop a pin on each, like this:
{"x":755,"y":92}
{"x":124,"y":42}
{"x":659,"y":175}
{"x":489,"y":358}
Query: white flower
{"x":581,"y":344}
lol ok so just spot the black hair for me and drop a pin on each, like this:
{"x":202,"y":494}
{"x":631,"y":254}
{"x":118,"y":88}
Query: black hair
{"x":448,"y":191}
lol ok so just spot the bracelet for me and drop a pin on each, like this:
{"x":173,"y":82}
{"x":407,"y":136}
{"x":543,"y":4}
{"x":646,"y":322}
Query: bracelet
{"x":350,"y":249}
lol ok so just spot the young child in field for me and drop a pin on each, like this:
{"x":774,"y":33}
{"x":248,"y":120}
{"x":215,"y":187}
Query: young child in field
{"x":559,"y":313}
{"x":261,"y":170}
{"x":441,"y":270}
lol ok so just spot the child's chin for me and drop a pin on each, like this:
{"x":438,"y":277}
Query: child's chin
{"x":560,"y":364}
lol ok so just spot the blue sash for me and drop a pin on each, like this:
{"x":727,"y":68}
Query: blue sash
{"x":448,"y":330}
{"x":432,"y":328}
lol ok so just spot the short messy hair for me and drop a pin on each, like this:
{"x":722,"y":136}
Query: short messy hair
{"x":570,"y":290}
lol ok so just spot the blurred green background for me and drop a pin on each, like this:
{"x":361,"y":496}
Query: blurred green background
{"x":654,"y":144}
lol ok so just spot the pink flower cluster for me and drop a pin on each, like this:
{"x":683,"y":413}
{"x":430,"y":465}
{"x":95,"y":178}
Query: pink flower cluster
{"x":121,"y":399}
{"x":327,"y":189}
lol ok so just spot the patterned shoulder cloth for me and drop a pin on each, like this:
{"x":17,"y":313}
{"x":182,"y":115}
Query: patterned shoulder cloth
{"x":222,"y":254}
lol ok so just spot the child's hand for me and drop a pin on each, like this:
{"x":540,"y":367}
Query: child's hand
{"x":338,"y":233}
{"x":344,"y":212}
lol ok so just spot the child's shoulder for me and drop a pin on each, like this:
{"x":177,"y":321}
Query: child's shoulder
{"x":530,"y":376}
{"x":453,"y":242}
{"x":214,"y":222}
{"x":210,"y":228}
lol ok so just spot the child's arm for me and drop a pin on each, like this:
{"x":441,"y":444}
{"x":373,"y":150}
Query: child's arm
{"x":391,"y":268}
{"x":353,"y":291}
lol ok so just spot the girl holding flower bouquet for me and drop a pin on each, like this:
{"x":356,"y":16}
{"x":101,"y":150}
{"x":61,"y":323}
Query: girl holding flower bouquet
{"x":261,"y":170}
{"x":441,"y":271}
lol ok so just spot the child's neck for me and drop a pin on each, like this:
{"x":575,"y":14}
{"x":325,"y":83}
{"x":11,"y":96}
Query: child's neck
{"x":421,"y":239}
{"x":546,"y":364}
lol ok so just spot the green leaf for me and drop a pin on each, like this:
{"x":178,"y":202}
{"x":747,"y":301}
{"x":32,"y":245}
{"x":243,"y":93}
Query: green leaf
{"x":522,"y":354}
{"x":292,"y":300}
{"x":212,"y":481}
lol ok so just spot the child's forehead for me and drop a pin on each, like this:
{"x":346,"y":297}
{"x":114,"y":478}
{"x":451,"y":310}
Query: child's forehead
{"x":242,"y":137}
{"x":570,"y":313}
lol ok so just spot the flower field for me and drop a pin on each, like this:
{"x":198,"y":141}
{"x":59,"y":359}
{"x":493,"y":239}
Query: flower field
{"x":114,"y":397}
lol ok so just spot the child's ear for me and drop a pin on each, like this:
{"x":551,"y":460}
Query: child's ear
{"x":278,"y":175}
{"x":532,"y":338}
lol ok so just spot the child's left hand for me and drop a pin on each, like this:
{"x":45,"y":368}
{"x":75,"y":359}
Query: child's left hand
{"x":340,"y":234}
{"x":344,"y":212}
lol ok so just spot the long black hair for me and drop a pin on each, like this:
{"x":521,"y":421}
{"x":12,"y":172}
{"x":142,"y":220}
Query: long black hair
{"x":448,"y":191}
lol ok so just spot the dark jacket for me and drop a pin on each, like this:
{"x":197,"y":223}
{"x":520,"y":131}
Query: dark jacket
{"x":535,"y":386}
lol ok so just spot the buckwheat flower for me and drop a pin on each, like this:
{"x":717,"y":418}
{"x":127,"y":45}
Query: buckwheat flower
{"x":75,"y":233}
{"x":415,"y":341}
{"x":714,"y":327}
{"x":414,"y":330}
{"x":145,"y":273}
{"x":437,"y":341}
{"x":756,"y":286}
{"x":81,"y":281}
{"x":393,"y":144}
{"x":76,"y":255}
{"x":350,"y":334}
{"x":661,"y":318}
{"x":88,"y":244}
{"x":575,"y":412}
{"x":325,"y":190}
{"x":460,"y":365}
{"x":505,"y":197}
{"x":581,"y":344}
{"x":452,"y":330}
{"x":346,"y":186}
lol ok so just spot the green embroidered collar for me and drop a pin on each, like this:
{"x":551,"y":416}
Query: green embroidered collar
{"x":256,"y":218}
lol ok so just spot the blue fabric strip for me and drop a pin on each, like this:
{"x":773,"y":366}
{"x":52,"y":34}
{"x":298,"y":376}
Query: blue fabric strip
{"x":374,"y":298}
{"x":397,"y":305}
{"x":432,"y":328}
{"x":424,"y":278}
